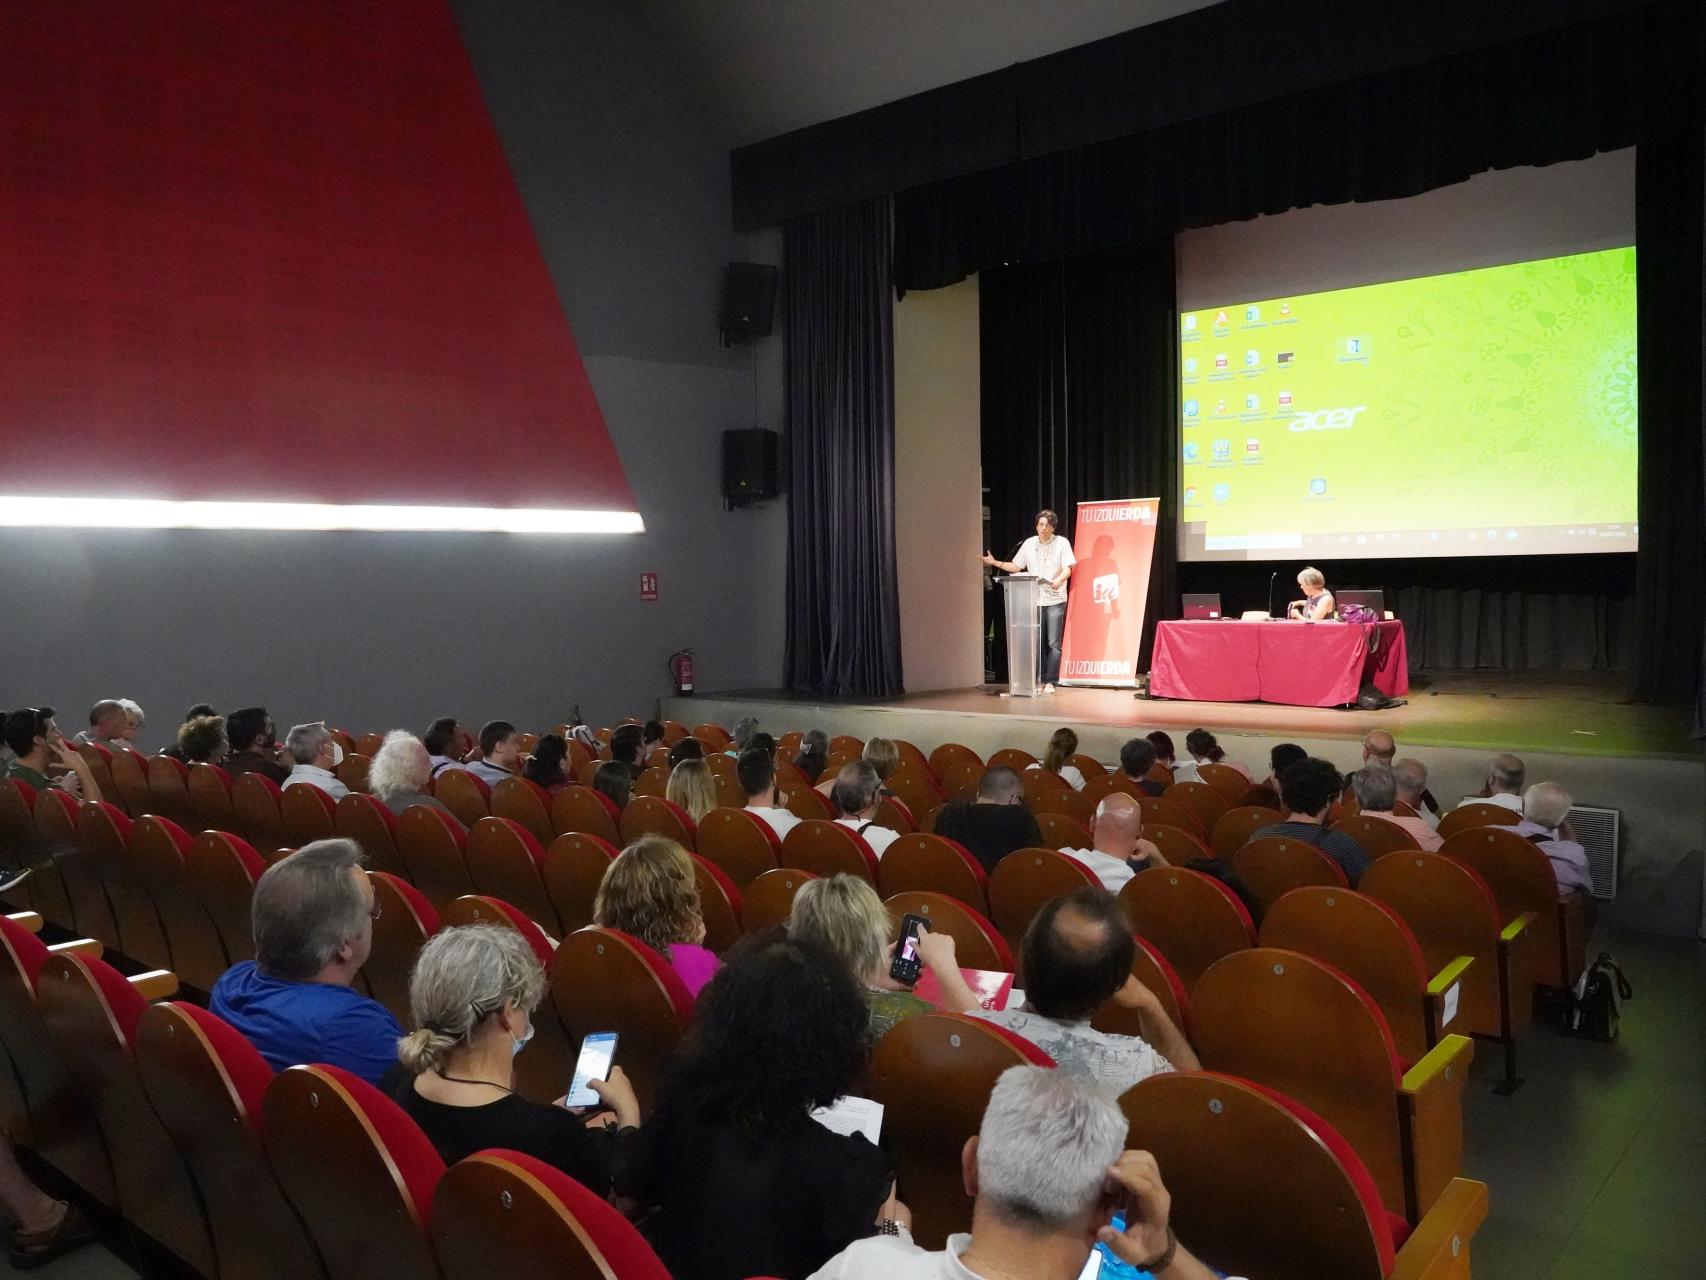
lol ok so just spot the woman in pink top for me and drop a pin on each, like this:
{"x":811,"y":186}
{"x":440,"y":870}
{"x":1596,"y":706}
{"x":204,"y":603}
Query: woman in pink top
{"x":650,"y":892}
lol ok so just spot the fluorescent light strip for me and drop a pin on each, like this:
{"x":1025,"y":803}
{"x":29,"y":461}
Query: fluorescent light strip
{"x":153,"y":513}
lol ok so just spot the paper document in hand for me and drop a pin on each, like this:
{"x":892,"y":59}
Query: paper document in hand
{"x":991,"y":987}
{"x":849,"y":1115}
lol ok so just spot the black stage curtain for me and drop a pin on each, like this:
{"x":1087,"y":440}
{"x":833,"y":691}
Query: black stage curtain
{"x":843,"y":634}
{"x":1078,"y":362}
{"x":1560,"y":95}
{"x":1670,"y":193}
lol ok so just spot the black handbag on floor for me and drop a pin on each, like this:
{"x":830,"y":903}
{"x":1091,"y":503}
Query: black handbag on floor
{"x":1595,"y":1007}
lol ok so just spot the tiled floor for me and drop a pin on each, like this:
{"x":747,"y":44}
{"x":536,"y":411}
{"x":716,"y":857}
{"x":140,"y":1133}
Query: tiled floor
{"x":1597,"y":1164}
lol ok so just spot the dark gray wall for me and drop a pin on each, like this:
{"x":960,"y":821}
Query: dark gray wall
{"x":629,"y":198}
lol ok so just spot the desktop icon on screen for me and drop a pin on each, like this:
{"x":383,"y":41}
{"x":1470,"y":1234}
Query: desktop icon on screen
{"x":1190,"y":321}
{"x":1191,"y":408}
{"x":1252,"y":401}
{"x":1283,"y":357}
{"x":1285,"y":399}
{"x":1220,"y":320}
{"x":1192,"y":451}
{"x":1252,"y":446}
{"x":1318,"y":486}
{"x":1220,"y":360}
{"x":1190,"y":364}
{"x":1219,"y":407}
{"x":1190,"y":495}
{"x":1222,"y":492}
{"x":1353,"y":346}
{"x":1252,"y":314}
{"x":1252,"y":357}
{"x":1222,"y":449}
{"x":1285,"y":308}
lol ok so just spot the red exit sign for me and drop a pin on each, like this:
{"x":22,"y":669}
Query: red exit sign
{"x":648,"y":586}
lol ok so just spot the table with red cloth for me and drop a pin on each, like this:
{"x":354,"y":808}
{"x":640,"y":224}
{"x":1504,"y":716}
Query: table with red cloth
{"x":1299,"y":664}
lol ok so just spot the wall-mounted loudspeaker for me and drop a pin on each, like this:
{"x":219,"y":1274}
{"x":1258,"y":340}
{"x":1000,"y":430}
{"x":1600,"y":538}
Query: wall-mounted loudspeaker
{"x":749,"y":301}
{"x":749,"y":466}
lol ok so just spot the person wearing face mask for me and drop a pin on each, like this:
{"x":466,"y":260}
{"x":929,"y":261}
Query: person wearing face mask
{"x":316,"y":754}
{"x":472,"y":997}
{"x":254,"y":745}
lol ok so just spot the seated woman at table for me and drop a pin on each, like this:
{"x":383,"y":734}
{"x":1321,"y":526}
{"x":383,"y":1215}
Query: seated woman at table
{"x":1317,"y":604}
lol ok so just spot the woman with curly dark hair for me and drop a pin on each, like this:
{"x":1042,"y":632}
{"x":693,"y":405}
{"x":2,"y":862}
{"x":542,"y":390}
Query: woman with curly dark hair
{"x":743,"y":1180}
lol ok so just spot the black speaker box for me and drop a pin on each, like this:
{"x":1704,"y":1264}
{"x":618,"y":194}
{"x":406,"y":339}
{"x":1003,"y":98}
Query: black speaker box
{"x":749,"y":301}
{"x":749,"y":466}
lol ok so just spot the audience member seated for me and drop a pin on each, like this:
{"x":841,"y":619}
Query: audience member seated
{"x":1267,"y":792}
{"x":196,"y":712}
{"x":652,"y":748}
{"x":1379,"y":747}
{"x":757,"y":773}
{"x":316,"y":754}
{"x":203,"y":741}
{"x":741,"y":735}
{"x":1167,"y":757}
{"x":254,"y":745}
{"x":994,"y":824}
{"x":884,"y":757}
{"x":1308,"y":789}
{"x":1077,"y":954}
{"x":650,"y":892}
{"x":1137,"y":757}
{"x":686,"y":749}
{"x":1118,"y":850}
{"x":472,"y":996}
{"x":1062,"y":746}
{"x":1503,"y":786}
{"x":813,"y":758}
{"x":693,"y":787}
{"x":546,"y":766}
{"x":108,"y":726}
{"x":36,"y":745}
{"x":446,"y":743}
{"x":740,"y":1181}
{"x":1546,"y":823}
{"x":626,"y":746}
{"x":1204,"y":748}
{"x":857,"y":795}
{"x":1376,"y":789}
{"x":1412,"y":779}
{"x":399,"y":773}
{"x":313,"y":916}
{"x":500,"y":753}
{"x":843,"y":915}
{"x":1047,"y":1171}
{"x":44,"y":1228}
{"x":135,"y":720}
{"x":614,"y":780}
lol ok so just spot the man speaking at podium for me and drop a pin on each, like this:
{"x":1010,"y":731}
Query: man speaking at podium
{"x":1049,"y":556}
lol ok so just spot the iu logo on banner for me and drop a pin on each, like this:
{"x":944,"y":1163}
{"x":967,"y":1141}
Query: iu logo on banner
{"x":1115,"y":545}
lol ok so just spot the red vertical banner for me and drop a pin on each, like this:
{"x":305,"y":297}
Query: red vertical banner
{"x":1115,"y":545}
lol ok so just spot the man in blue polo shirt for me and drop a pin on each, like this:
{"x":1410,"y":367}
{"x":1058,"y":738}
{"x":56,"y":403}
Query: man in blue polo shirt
{"x":312,"y":918}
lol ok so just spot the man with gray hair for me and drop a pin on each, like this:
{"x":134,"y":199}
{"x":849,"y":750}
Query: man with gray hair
{"x":1412,"y":779}
{"x":1503,"y":786}
{"x":1546,"y":822}
{"x":108,"y":724}
{"x":1047,"y":1172}
{"x":858,"y":794}
{"x":312,"y":918}
{"x":316,"y":754}
{"x":1376,"y":790}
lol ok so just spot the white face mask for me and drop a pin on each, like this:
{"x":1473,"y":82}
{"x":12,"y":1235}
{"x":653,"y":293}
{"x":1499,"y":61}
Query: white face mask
{"x":520,"y":1042}
{"x":337,"y":754}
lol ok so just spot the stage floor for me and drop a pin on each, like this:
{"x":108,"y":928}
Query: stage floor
{"x":1564,"y":713}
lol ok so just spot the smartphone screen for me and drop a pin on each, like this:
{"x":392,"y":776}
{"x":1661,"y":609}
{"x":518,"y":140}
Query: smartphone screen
{"x":598,"y":1051}
{"x":907,"y":966}
{"x":1102,"y":1265}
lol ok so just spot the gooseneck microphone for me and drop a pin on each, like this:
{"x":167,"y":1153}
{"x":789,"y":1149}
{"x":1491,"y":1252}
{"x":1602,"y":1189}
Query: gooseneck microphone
{"x":1271,"y":577}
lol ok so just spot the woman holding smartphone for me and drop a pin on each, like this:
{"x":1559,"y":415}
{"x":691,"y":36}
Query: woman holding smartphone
{"x":472,"y":996}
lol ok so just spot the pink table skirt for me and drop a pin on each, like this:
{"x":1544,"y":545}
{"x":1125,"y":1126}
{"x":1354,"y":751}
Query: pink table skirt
{"x":1299,"y":664}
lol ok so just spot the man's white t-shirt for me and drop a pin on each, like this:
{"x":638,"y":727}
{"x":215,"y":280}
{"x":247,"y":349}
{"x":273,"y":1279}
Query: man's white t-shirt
{"x":1504,"y":799}
{"x":1114,"y":873}
{"x":1048,"y":560}
{"x":879,"y":838}
{"x":781,"y":821}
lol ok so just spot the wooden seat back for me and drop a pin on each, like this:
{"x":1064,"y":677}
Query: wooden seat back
{"x":1061,"y":832}
{"x":846,"y":744}
{"x":933,"y":864}
{"x":1069,"y":803}
{"x":588,"y":810}
{"x":352,"y":771}
{"x":602,"y":980}
{"x":949,"y":754}
{"x":158,"y":849}
{"x":1165,"y":811}
{"x":767,"y":901}
{"x":359,"y":1172}
{"x":1011,"y":758}
{"x":260,"y":821}
{"x":978,"y":944}
{"x":57,"y":838}
{"x":961,"y":780}
{"x":1026,"y":879}
{"x":1476,"y":814}
{"x":209,"y":789}
{"x":208,"y":1085}
{"x":1376,"y":835}
{"x":916,"y":788}
{"x":730,"y":794}
{"x":466,"y":796}
{"x":719,"y":904}
{"x":90,"y":1013}
{"x":430,"y":847}
{"x":405,"y":921}
{"x":221,"y":870}
{"x":1039,"y":782}
{"x":1521,"y":878}
{"x":717,"y":738}
{"x":574,"y":868}
{"x":524,"y":801}
{"x":364,"y":819}
{"x":743,"y":846}
{"x":894,"y":815}
{"x":1233,"y":829}
{"x":807,"y":803}
{"x":505,"y":861}
{"x":502,"y":1213}
{"x":309,"y":814}
{"x":1100,"y":788}
{"x":1191,"y":918}
{"x":1177,"y":845}
{"x":1227,"y":782}
{"x":1205,"y":804}
{"x":168,"y":790}
{"x":1153,"y":970}
{"x":1087,"y":765}
{"x":933,"y":1074}
{"x":827,"y":848}
{"x":130,"y":780}
{"x":652,"y":782}
{"x":655,"y":816}
{"x":103,"y":831}
{"x":1273,"y":866}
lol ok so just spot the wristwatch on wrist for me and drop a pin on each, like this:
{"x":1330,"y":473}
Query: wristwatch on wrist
{"x":1166,"y":1259}
{"x":887,"y":1227}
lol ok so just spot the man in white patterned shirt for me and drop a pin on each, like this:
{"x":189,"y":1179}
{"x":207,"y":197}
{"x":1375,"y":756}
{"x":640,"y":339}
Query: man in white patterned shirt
{"x":1076,"y":955}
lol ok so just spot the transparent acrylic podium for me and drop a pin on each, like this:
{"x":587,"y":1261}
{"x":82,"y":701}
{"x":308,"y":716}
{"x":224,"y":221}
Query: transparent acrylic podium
{"x":1024,"y":633}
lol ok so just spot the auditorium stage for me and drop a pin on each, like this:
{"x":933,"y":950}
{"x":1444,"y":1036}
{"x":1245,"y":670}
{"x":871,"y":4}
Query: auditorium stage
{"x":1577,"y":729}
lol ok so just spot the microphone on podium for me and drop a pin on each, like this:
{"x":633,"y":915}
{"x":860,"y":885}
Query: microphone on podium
{"x":1271,"y":577}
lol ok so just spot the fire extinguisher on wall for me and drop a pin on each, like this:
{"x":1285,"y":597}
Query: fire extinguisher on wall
{"x":681,"y":670}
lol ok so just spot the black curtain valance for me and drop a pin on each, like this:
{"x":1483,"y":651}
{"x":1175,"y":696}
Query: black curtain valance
{"x":1560,"y":95}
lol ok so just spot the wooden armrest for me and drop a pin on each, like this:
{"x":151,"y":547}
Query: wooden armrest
{"x":156,"y":984}
{"x":30,"y":920}
{"x":80,"y":947}
{"x":1517,"y":967}
{"x":1430,"y":1102}
{"x":1438,"y":1249}
{"x":1442,"y":996}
